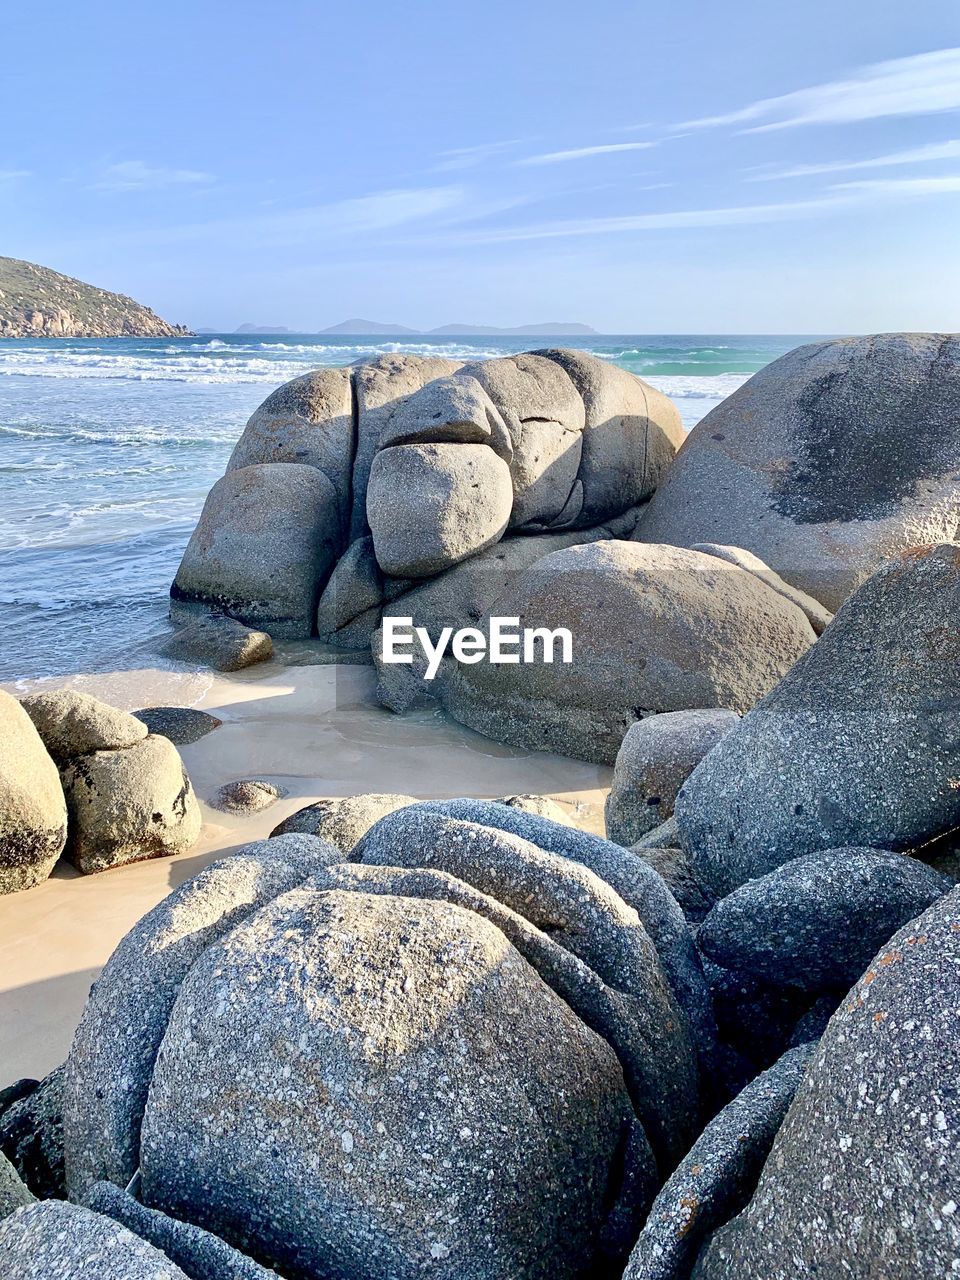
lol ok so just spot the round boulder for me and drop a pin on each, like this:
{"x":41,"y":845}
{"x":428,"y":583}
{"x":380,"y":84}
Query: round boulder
{"x":129,"y":805}
{"x":652,"y":629}
{"x":73,"y":723}
{"x":33,"y":812}
{"x":826,"y":462}
{"x":432,"y":505}
{"x":656,"y":757}
{"x":398,"y":1063}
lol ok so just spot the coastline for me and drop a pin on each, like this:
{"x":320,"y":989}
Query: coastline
{"x":314,"y":729}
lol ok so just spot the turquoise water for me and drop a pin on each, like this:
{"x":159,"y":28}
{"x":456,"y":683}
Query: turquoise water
{"x":108,"y":448}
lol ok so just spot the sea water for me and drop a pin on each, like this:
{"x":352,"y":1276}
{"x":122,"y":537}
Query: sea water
{"x":109,"y":447}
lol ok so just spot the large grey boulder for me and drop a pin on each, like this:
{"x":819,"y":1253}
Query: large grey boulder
{"x":815,"y":922}
{"x":818,"y":616}
{"x":129,"y":805}
{"x":202,"y":1256}
{"x":111,"y":1060}
{"x":343,"y":820}
{"x":859,"y":744}
{"x":308,"y":421}
{"x":58,"y":1241}
{"x":33,"y":812}
{"x":73,"y":723}
{"x":718,"y":1175}
{"x":861,"y":1181}
{"x":636,"y":651}
{"x":826,"y":462}
{"x":656,"y":757}
{"x":633,"y":879}
{"x":14,"y":1193}
{"x":267,"y":539}
{"x":352,"y":1081}
{"x":432,"y":505}
{"x":585,"y":916}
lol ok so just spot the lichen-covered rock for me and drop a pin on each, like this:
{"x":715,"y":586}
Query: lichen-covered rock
{"x":343,"y":820}
{"x":129,"y":805}
{"x":247,"y":795}
{"x":861,"y":1181}
{"x":656,"y":757}
{"x":627,"y":608}
{"x":432,"y":505}
{"x":718,"y":1175}
{"x":14,"y":1193}
{"x":859,"y":744}
{"x":33,"y":812}
{"x":584,"y":915}
{"x":219,"y":642}
{"x":267,"y":539}
{"x":58,"y":1241}
{"x":303,"y":1066}
{"x":201,"y":1255}
{"x":828,"y":461}
{"x":815,"y":922}
{"x":31,"y":1136}
{"x":182,"y":725}
{"x":110,"y":1064}
{"x":74,"y":724}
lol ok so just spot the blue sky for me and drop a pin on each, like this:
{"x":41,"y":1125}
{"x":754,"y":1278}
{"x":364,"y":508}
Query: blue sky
{"x":705,"y":167}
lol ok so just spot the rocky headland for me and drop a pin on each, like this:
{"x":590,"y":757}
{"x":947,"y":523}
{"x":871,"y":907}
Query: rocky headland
{"x":36,"y":302}
{"x":711,"y":1032}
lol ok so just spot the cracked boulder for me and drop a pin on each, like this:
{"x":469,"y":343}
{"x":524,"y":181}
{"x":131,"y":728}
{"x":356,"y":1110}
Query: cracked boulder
{"x":828,"y":461}
{"x":381,"y":1057}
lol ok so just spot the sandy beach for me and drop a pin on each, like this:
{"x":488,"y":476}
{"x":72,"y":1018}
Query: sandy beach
{"x":315,"y":730}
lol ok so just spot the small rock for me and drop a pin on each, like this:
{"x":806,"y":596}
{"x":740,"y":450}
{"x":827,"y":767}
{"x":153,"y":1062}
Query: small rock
{"x":219,"y":642}
{"x":678,"y":875}
{"x":74,"y":724}
{"x":541,"y":807}
{"x":14,"y":1092}
{"x":182,"y":725}
{"x":655,"y":759}
{"x":343,"y":820}
{"x":814,"y":1022}
{"x":248,"y":795}
{"x":815,"y":922}
{"x":31,"y":1137}
{"x":14,"y":1193}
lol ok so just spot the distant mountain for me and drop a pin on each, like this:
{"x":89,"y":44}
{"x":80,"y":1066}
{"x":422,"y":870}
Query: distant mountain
{"x":360,"y":328}
{"x":363,"y":327}
{"x":550,"y":330}
{"x":263,"y":328}
{"x":36,"y":302}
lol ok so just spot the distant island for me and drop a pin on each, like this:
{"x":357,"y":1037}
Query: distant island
{"x":357,"y":328}
{"x":36,"y":302}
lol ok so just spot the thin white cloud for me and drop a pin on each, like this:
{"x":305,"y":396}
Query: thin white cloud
{"x":918,"y":155}
{"x":923,"y":84}
{"x":837,"y":198}
{"x":581,"y":153}
{"x":13,"y":175}
{"x":470,"y":157}
{"x":135,"y":175}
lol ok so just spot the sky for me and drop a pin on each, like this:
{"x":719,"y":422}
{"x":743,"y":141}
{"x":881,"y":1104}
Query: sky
{"x":742,"y":167}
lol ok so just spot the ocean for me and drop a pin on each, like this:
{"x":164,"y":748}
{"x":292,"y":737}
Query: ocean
{"x":108,"y":449}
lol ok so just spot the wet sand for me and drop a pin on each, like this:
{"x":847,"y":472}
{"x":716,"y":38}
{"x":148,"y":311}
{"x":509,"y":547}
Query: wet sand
{"x":315,"y":730}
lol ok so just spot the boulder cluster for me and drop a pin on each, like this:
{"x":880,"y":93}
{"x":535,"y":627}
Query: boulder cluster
{"x":80,"y":778}
{"x":468,"y":1040}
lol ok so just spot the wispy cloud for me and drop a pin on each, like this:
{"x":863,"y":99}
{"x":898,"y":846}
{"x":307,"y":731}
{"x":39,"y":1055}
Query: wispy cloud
{"x":837,"y":198}
{"x":135,"y":175}
{"x":918,"y":155}
{"x":923,"y":84}
{"x":470,"y":157}
{"x":581,"y":153}
{"x":13,"y":175}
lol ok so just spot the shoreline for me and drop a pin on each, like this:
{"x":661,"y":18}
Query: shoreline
{"x":314,"y":729}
